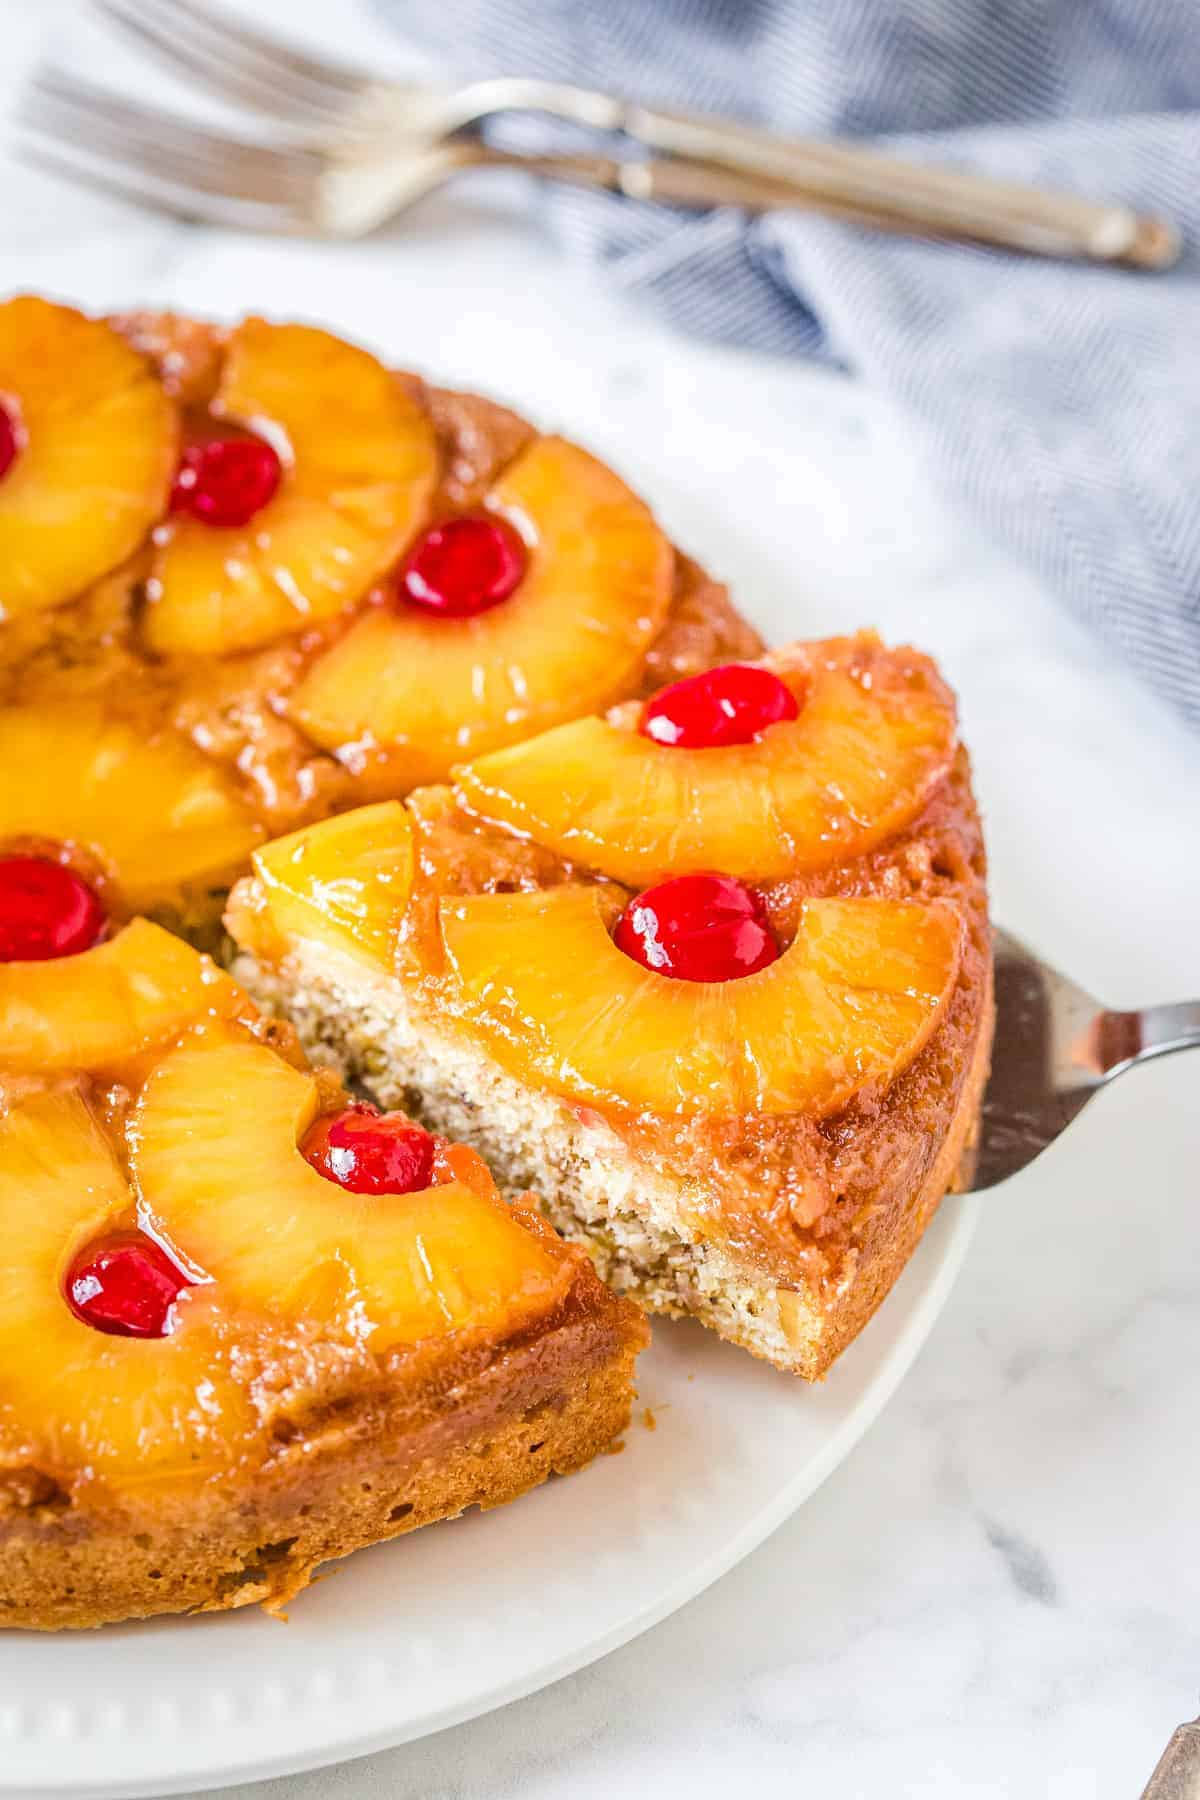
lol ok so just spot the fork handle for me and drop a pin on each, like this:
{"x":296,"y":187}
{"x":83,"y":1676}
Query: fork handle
{"x":854,"y":181}
{"x":685,"y":181}
{"x":1177,"y":1776}
{"x":931,"y":199}
{"x":676,"y":181}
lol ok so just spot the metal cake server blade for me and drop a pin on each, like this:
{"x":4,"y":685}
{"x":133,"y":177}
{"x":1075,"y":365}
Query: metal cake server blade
{"x":1056,"y":1046}
{"x":1177,"y":1776}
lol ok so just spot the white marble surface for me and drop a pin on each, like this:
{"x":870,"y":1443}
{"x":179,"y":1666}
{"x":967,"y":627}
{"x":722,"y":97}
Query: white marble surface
{"x":998,"y":1594}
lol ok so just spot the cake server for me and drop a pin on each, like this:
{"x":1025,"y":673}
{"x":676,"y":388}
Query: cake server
{"x":847,"y":180}
{"x":1177,"y":1774}
{"x":1056,"y":1046}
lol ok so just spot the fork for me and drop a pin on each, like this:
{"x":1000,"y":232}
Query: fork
{"x":883,"y":192}
{"x":1056,"y":1046}
{"x":340,"y":189}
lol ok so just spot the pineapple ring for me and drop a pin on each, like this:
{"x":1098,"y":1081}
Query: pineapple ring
{"x":345,"y":881}
{"x":156,"y":812}
{"x":362,"y":469}
{"x":853,"y":768}
{"x":391,"y":1270}
{"x":428,"y":691}
{"x":99,"y":441}
{"x":539,"y":978}
{"x":105,"y":1006}
{"x":139,"y":1409}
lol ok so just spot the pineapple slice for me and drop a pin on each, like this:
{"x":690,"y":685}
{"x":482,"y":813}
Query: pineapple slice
{"x":97,"y":440}
{"x":243,"y":1203}
{"x":345,"y":882}
{"x":154,"y":810}
{"x":361,"y":469}
{"x":851,"y":1001}
{"x":875,"y":733}
{"x":105,"y":1006}
{"x":133,"y":1410}
{"x":428,"y":691}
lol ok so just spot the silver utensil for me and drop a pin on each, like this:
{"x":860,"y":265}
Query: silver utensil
{"x":1177,"y":1775}
{"x":1056,"y":1046}
{"x":849,"y":181}
{"x":340,"y":190}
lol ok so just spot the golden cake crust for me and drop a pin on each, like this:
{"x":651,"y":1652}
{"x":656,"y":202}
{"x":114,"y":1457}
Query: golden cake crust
{"x":399,"y":1448}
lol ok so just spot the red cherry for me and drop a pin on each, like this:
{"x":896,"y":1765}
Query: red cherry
{"x":698,"y":928}
{"x":370,"y":1152}
{"x":45,"y":910}
{"x":729,"y":705}
{"x":463,"y":566}
{"x":125,"y":1285}
{"x":10,"y":439}
{"x":225,"y":481}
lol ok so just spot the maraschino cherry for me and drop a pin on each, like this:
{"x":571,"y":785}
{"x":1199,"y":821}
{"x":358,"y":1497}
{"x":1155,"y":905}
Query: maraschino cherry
{"x":463,"y":566}
{"x":226,"y":481}
{"x":370,"y":1152}
{"x":125,"y":1285}
{"x":730,"y":705}
{"x":10,"y":440}
{"x":46,"y":910}
{"x":698,"y":928}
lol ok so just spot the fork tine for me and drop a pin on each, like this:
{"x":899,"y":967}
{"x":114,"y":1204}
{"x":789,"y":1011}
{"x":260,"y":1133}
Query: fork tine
{"x":123,"y":130}
{"x":160,"y":196}
{"x":207,"y":46}
{"x":184,"y":44}
{"x":91,"y":122}
{"x":323,"y":74}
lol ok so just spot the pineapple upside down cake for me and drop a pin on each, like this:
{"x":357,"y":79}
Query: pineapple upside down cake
{"x":712,"y":973}
{"x":537,"y":848}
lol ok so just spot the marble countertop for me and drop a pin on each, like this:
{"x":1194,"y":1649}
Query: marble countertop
{"x":998,"y":1594}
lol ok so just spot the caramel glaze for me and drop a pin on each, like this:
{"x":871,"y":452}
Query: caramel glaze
{"x":234,"y":708}
{"x":799,"y":1197}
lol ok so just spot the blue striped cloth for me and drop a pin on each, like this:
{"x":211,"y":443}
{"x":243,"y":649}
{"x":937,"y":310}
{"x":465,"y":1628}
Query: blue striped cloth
{"x":1060,"y":403}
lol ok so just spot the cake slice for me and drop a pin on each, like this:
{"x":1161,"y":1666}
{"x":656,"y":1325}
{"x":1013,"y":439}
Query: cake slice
{"x":744,"y":1084}
{"x":247,"y":1324}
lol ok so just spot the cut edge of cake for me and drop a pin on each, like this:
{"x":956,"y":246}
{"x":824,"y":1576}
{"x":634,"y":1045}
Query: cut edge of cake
{"x":633,"y":1219}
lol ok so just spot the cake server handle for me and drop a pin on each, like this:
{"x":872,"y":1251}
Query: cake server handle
{"x":1117,"y":1040}
{"x":1177,"y":1776}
